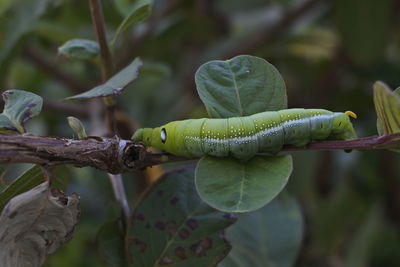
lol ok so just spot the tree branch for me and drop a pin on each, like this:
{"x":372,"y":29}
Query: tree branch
{"x":106,"y":72}
{"x":114,"y":155}
{"x":391,"y":141}
{"x":108,"y":154}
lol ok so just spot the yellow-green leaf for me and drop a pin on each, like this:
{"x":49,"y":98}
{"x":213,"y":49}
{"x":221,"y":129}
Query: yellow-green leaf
{"x":387,"y":106}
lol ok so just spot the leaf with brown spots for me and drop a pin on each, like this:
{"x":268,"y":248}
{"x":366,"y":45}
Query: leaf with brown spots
{"x":19,"y":107}
{"x":172,"y":226}
{"x":110,"y":244}
{"x":270,"y":236}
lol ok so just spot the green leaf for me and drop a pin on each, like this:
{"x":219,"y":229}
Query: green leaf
{"x":139,"y":12}
{"x":387,"y":106}
{"x":364,"y":27}
{"x":115,"y":84}
{"x":124,"y":6}
{"x":36,"y":223}
{"x":270,"y":236}
{"x":241,"y":86}
{"x":80,"y":49}
{"x":172,"y":225}
{"x":19,"y":107}
{"x":28,"y":180}
{"x":228,"y":184}
{"x":110,"y":243}
{"x":77,"y":126}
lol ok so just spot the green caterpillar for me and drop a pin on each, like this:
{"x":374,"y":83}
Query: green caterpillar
{"x":243,"y":137}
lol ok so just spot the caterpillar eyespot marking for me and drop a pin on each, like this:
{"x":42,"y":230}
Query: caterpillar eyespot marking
{"x":163,"y":135}
{"x":243,"y":137}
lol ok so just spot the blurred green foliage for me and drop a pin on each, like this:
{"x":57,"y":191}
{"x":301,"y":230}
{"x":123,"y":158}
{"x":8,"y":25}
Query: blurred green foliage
{"x":328,"y":52}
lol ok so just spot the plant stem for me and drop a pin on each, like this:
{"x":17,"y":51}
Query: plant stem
{"x":118,"y":156}
{"x":106,"y":72}
{"x":120,"y":196}
{"x":391,"y":141}
{"x":105,"y":55}
{"x":105,"y":61}
{"x":108,"y":154}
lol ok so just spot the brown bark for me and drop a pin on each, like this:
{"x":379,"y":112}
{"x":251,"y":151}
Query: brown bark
{"x":116,"y":155}
{"x":108,"y":154}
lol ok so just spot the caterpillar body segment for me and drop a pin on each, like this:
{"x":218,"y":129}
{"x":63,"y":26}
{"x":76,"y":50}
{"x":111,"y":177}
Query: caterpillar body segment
{"x":192,"y":139}
{"x":269,"y":129}
{"x":243,"y":137}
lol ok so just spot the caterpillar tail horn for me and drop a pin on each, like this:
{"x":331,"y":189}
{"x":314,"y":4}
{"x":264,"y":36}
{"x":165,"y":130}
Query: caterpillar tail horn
{"x":351,"y":114}
{"x":354,"y":116}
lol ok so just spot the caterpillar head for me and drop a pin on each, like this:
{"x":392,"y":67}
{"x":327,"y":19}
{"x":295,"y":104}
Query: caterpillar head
{"x":160,"y":137}
{"x":342,"y":126}
{"x":148,"y":136}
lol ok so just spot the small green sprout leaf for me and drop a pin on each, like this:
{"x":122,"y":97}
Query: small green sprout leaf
{"x":387,"y":106}
{"x":77,"y":127}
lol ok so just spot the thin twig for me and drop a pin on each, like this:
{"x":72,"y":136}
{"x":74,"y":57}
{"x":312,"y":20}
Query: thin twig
{"x":119,"y":192}
{"x":106,"y":63}
{"x":367,"y":143}
{"x":105,"y":55}
{"x":106,"y":72}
